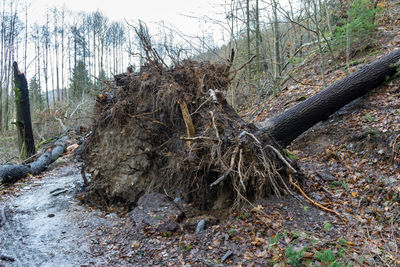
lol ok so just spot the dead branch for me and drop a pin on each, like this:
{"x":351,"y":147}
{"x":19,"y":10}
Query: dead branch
{"x":235,"y":71}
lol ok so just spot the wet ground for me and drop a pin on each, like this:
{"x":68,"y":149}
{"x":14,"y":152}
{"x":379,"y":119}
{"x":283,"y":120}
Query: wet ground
{"x":45,"y":224}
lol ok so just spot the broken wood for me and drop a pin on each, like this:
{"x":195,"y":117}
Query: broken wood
{"x":23,"y":114}
{"x":188,"y":121}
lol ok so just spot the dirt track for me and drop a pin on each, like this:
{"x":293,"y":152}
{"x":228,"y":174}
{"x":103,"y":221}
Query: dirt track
{"x":46,"y":226}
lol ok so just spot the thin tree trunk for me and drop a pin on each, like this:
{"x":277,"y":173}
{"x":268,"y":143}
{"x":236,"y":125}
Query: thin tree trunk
{"x":277,"y":63}
{"x":258,"y":37}
{"x":63,"y":95}
{"x":320,"y":49}
{"x":248,"y":32}
{"x":56,"y":45}
{"x":52,"y":80}
{"x":2,"y":66}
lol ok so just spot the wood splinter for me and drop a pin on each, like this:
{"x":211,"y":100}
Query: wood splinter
{"x":188,"y":121}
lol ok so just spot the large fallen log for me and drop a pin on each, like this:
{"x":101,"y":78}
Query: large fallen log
{"x":285,"y":127}
{"x":10,"y":173}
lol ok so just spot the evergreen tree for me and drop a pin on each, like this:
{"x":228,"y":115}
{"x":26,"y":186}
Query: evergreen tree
{"x":35,"y":94}
{"x":80,"y":81}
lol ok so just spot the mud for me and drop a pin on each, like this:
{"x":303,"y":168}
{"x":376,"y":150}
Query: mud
{"x":47,"y":226}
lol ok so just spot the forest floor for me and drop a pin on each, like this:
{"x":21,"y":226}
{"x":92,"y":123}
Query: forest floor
{"x":351,"y":163}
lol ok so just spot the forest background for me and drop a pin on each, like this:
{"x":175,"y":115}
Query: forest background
{"x":70,"y":57}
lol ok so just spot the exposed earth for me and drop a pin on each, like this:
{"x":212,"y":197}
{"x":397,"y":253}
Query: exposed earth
{"x":44,"y":223}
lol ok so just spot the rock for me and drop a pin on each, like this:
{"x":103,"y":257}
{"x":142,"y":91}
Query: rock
{"x":201,"y":226}
{"x":193,"y":223}
{"x":157,"y":211}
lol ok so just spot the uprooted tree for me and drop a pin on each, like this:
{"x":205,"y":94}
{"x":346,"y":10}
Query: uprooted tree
{"x":170,"y":129}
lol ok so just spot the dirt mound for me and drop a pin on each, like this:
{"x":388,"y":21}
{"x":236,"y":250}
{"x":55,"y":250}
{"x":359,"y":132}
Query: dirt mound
{"x":171,"y":130}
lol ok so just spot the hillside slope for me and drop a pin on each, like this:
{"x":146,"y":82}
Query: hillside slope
{"x":351,"y":164}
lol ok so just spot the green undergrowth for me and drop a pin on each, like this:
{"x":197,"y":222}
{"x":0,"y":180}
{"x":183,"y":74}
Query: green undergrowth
{"x":306,"y":249}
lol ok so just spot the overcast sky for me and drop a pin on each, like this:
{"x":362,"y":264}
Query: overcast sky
{"x":174,"y":12}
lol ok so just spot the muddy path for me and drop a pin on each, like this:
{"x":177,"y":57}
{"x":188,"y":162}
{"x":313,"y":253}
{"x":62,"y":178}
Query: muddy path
{"x":45,"y":224}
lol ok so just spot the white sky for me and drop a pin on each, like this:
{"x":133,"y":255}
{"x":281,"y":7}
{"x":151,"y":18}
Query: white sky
{"x":172,"y":12}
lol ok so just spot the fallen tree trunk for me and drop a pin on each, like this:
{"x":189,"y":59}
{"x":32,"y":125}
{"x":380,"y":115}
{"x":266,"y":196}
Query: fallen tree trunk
{"x":41,"y":163}
{"x":10,"y":173}
{"x":287,"y":126}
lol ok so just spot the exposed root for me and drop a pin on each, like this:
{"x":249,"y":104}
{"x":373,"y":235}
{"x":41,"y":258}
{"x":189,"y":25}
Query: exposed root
{"x":172,"y":130}
{"x":316,"y":203}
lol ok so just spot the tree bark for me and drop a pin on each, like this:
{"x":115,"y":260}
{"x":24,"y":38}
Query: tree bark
{"x":10,"y":173}
{"x":24,"y":121}
{"x":288,"y":125}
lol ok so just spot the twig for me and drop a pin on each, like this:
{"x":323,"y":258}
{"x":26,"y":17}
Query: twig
{"x":244,"y":65}
{"x":28,"y":159}
{"x":223,"y":177}
{"x":239,"y":171}
{"x":159,"y":122}
{"x":76,"y":109}
{"x":223,"y":164}
{"x":282,"y":158}
{"x":316,"y":203}
{"x":394,"y":149}
{"x":13,"y":157}
{"x":308,"y":84}
{"x":185,"y":138}
{"x":59,"y":192}
{"x":202,"y":104}
{"x":327,"y":191}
